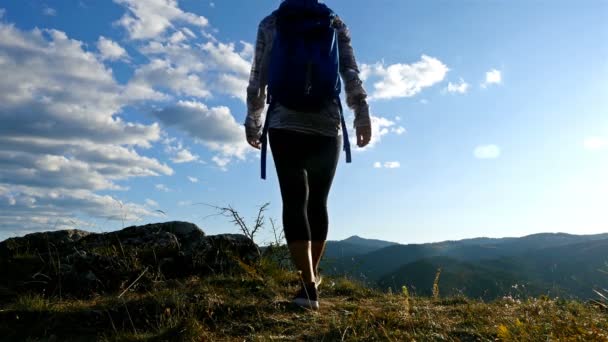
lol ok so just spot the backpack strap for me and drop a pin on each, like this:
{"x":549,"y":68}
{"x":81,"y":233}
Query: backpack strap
{"x":346,"y":142}
{"x":264,"y":137}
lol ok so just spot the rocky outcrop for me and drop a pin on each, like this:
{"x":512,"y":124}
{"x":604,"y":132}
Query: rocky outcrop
{"x":78,"y":263}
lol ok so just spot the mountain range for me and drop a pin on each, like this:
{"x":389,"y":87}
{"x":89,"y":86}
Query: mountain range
{"x":551,"y":264}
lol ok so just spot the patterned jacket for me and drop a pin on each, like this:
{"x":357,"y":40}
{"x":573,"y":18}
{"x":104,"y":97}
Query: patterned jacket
{"x":325,"y":123}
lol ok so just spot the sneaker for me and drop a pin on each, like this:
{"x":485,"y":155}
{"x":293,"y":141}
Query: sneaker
{"x":307,"y":297}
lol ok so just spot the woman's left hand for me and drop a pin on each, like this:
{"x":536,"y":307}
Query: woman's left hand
{"x":364,"y":135}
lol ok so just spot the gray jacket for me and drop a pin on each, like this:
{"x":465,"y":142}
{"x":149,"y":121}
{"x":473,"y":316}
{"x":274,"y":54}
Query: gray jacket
{"x":327,"y":122}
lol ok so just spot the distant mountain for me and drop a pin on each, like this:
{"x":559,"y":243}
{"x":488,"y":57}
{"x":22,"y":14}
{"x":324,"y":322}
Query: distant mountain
{"x":559,"y":264}
{"x":352,"y":246}
{"x":372,"y":243}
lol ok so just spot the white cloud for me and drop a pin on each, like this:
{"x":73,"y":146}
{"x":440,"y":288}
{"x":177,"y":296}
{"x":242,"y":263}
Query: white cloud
{"x":180,"y":55}
{"x":2,"y":12}
{"x":595,"y":143}
{"x":193,"y":179}
{"x":35,"y":209}
{"x":487,"y":152}
{"x":89,"y":166}
{"x":188,"y":32}
{"x":162,"y":187}
{"x":177,"y":37}
{"x":225,"y":58}
{"x":65,"y":92}
{"x":151,"y":203}
{"x":247,"y":51}
{"x":404,"y":80}
{"x":392,"y":165}
{"x":221,"y":162}
{"x":231,"y":67}
{"x":233,"y":85}
{"x":212,"y":4}
{"x":188,"y":67}
{"x":398,"y":130}
{"x":61,"y":138}
{"x":492,"y":77}
{"x":151,"y":18}
{"x":177,"y":65}
{"x":48,"y":11}
{"x":178,"y":153}
{"x":184,"y":156}
{"x":214,"y":124}
{"x":387,"y":165}
{"x":110,"y":50}
{"x":161,"y":73}
{"x":461,"y":87}
{"x":213,"y":127}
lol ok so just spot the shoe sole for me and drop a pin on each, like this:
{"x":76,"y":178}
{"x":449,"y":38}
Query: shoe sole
{"x":305,"y":303}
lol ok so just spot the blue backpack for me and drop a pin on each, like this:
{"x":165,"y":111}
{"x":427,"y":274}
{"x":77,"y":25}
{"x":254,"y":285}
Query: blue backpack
{"x":304,"y":63}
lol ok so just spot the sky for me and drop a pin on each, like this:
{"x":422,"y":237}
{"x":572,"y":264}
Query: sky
{"x":490,"y":117}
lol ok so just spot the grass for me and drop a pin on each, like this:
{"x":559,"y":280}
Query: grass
{"x":255,"y":306}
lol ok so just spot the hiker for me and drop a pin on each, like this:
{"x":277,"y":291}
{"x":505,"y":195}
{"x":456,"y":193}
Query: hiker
{"x":302,"y":50}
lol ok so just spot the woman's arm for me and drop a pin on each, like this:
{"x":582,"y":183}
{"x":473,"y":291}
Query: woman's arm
{"x":355,"y":94}
{"x":256,"y":90}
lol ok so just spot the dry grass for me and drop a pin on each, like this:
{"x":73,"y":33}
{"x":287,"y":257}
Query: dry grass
{"x":256,"y":307}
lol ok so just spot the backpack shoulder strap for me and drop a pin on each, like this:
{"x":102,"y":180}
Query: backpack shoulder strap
{"x":264,"y":138}
{"x":345,"y":140}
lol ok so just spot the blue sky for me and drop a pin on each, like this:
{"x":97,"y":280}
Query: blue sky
{"x":490,"y":117}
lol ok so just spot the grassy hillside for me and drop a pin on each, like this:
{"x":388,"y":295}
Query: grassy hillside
{"x":463,"y":278}
{"x":255,"y":306}
{"x":172,"y":282}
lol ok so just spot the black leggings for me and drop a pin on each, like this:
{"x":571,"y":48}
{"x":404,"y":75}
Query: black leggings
{"x":306,"y":165}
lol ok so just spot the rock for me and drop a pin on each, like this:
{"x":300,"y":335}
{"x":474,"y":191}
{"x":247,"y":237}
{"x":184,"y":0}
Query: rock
{"x":222,"y":253}
{"x":90,"y":276}
{"x":41,"y":243}
{"x":82,"y":264}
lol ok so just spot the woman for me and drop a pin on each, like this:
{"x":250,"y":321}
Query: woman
{"x":305,"y":145}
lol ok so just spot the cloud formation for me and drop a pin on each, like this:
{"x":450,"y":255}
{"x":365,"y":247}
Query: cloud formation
{"x":387,"y":165}
{"x":162,"y":187}
{"x":184,"y":156}
{"x":595,"y":143}
{"x":487,"y":152}
{"x":492,"y":77}
{"x":213,"y":127}
{"x":460,"y":88}
{"x":61,"y":139}
{"x":48,"y":11}
{"x":403,"y":80}
{"x":111,"y":50}
{"x":161,"y":73}
{"x":63,"y":133}
{"x":150,"y":18}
